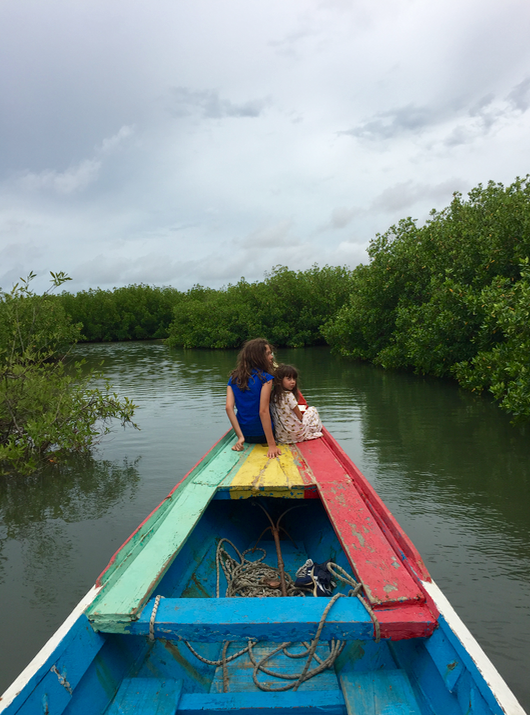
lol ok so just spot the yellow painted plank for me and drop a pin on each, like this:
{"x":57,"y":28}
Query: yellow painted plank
{"x":258,"y":473}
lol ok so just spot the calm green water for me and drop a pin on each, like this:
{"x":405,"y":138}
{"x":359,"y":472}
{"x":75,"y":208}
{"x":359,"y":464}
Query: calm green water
{"x":449,"y":466}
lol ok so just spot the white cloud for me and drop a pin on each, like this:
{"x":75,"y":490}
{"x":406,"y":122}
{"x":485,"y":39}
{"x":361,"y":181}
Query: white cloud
{"x":76,"y":178}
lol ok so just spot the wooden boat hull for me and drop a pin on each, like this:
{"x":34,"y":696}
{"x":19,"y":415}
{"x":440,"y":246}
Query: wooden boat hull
{"x":123,"y":650}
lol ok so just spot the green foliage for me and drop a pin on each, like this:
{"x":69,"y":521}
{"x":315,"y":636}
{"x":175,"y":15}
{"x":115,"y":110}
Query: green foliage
{"x":448,"y":298}
{"x":46,"y":409}
{"x":135,"y":312}
{"x":505,"y":368}
{"x":288,"y":307}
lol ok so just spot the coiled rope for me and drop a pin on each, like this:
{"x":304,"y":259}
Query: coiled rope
{"x":254,"y":578}
{"x":250,"y":578}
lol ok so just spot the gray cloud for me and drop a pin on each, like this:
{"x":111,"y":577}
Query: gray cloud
{"x":405,"y":194}
{"x":394,"y":122}
{"x":519,"y":97}
{"x":76,"y":177}
{"x":208,"y":104}
{"x":399,"y":197}
{"x":272,"y":236}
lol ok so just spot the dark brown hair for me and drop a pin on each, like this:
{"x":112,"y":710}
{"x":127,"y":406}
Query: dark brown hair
{"x":278,"y":389}
{"x":251,"y":357}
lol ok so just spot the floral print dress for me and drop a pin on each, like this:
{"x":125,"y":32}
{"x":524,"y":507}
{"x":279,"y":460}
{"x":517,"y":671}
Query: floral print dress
{"x":287,"y":427}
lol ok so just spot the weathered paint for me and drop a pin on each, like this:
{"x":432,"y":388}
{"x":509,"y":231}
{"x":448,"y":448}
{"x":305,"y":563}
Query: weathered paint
{"x":158,"y":512}
{"x":277,"y":619}
{"x":56,"y":671}
{"x":493,"y":688}
{"x":399,"y":541}
{"x":149,"y":696}
{"x":274,"y":619}
{"x":240,"y":671}
{"x":376,"y":564}
{"x":383,"y":691}
{"x":259,"y":475}
{"x":325,"y":702}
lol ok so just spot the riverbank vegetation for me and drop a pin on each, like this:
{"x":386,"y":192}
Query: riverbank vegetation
{"x":450,"y":298}
{"x":48,"y":408}
{"x":135,"y":312}
{"x":289,"y":307}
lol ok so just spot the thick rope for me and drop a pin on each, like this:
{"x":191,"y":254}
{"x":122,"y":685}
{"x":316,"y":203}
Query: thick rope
{"x":152,"y":619}
{"x":256,"y":579}
{"x":345,"y":577}
{"x":249,"y":578}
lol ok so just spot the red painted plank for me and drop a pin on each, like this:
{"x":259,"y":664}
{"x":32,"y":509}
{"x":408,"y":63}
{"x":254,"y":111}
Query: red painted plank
{"x":374,"y":561}
{"x":391,"y":528}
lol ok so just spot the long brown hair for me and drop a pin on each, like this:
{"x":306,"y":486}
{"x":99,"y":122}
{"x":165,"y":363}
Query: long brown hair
{"x":277,"y":388}
{"x":251,"y":357}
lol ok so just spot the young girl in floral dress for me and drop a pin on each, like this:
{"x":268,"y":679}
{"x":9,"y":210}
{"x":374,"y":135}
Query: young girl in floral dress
{"x":290,"y":423}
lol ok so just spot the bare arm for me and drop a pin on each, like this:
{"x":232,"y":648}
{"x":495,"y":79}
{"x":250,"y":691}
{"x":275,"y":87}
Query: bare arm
{"x":265,"y":417}
{"x":297,"y":412}
{"x":230,"y":404}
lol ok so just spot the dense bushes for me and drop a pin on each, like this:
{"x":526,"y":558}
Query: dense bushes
{"x":135,"y":312}
{"x":288,"y":307}
{"x":450,"y":298}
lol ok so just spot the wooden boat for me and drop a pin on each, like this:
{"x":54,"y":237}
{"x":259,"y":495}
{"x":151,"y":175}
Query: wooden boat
{"x":153,"y":636}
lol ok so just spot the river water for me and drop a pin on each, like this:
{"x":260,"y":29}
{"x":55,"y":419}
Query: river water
{"x":449,"y":465}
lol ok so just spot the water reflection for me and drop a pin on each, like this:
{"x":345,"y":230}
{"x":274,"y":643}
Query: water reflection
{"x":77,"y":490}
{"x":49,"y":540}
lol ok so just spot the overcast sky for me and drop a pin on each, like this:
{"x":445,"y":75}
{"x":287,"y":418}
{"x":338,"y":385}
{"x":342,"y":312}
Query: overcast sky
{"x":175,"y":142}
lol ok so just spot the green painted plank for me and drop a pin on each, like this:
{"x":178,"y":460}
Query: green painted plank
{"x":137,"y":575}
{"x":381,"y":691}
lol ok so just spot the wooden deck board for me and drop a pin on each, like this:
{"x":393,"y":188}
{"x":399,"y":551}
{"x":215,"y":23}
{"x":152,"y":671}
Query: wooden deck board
{"x":148,"y":696}
{"x":240,"y":671}
{"x":375,"y":563}
{"x":258,"y":475}
{"x":324,"y":702}
{"x":382,"y":691}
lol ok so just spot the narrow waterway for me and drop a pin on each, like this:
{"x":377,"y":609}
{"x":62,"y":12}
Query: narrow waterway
{"x":449,"y":465}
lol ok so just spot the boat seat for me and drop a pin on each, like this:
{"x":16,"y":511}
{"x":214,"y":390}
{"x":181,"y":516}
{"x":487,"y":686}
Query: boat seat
{"x":323,"y":702}
{"x":148,"y":696}
{"x":275,"y":619}
{"x":380,"y":691}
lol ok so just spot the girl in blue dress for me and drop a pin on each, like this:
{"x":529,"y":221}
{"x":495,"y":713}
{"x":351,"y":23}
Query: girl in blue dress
{"x":249,"y":392}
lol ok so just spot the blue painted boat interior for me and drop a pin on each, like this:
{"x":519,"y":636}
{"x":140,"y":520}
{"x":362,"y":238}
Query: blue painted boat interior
{"x":122,"y":673}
